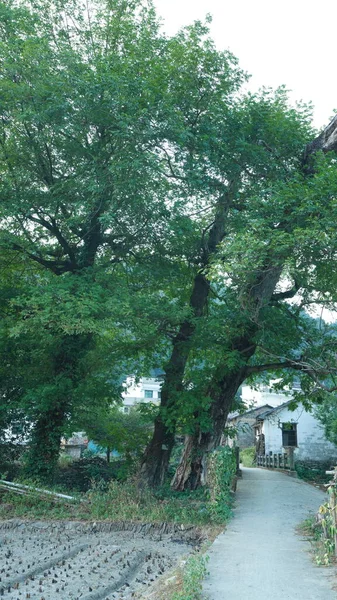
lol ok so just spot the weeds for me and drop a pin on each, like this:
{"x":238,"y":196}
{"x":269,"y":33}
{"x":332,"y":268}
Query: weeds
{"x":118,"y":502}
{"x":193,"y":574}
{"x":316,"y":530}
{"x":247,"y":457}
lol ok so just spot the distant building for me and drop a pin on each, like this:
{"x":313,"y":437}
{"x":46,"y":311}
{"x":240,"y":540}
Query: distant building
{"x":75,"y":445}
{"x":146,"y":389}
{"x":257,"y":399}
{"x":278,"y":432}
{"x":245,"y":426}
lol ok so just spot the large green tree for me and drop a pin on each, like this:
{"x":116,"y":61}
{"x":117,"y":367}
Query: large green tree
{"x":81,"y":187}
{"x":101,"y":186}
{"x":284,"y":251}
{"x":250,"y":147}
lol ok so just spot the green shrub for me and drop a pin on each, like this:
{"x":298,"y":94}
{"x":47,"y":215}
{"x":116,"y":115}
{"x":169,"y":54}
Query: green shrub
{"x":79,"y":474}
{"x":10,"y":460}
{"x":221,"y":476}
{"x":313,"y":474}
{"x":247,"y":457}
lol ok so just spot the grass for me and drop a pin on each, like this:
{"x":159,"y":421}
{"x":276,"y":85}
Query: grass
{"x":317,"y":476}
{"x":321,"y":548}
{"x":183,"y":582}
{"x":191,"y":578}
{"x":119,"y":502}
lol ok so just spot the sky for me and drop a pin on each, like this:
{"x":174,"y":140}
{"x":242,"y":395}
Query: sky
{"x":288,"y":42}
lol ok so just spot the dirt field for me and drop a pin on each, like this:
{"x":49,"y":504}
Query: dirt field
{"x":72,"y":560}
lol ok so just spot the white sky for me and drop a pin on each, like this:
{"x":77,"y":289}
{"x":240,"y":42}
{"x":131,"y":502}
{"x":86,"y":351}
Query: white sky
{"x":290,"y":42}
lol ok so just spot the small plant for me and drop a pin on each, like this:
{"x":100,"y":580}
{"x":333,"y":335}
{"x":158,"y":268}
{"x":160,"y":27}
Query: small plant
{"x":194,"y":571}
{"x":323,"y":530}
{"x":248,"y":457}
{"x":312,"y":474}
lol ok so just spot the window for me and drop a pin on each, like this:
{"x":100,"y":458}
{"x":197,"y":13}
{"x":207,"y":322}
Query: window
{"x":17,"y":428}
{"x":159,"y":394}
{"x":126,"y":409}
{"x":148,"y":393}
{"x":289,"y":434}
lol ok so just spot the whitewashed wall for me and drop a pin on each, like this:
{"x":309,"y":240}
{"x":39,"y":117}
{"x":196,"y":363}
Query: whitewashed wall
{"x":135,"y":392}
{"x":312,"y":444}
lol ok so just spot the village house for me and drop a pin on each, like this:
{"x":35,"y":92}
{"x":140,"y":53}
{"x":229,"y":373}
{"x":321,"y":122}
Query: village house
{"x":279,"y":434}
{"x":281,"y":430}
{"x":146,"y":389}
{"x":244,"y":426}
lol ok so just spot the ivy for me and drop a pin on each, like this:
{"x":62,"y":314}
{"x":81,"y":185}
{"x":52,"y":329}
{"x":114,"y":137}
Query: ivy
{"x":221,"y":475}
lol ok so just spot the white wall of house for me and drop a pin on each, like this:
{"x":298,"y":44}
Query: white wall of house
{"x":147,"y":389}
{"x":311,"y":441}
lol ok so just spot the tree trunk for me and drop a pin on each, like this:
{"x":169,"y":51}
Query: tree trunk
{"x":45,"y":444}
{"x":157,"y":455}
{"x":192,"y":469}
{"x":56,"y":407}
{"x":191,"y":472}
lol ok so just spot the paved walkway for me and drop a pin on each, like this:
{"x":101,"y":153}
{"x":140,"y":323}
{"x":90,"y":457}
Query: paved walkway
{"x":260,"y":557}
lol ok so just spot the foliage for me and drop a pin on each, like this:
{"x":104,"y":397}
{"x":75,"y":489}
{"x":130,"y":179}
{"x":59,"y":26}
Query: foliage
{"x":194,"y":571}
{"x":80,"y":475}
{"x":222,"y":472}
{"x":328,"y":530}
{"x":127,"y":433}
{"x":313,"y":474}
{"x":323,"y":529}
{"x":326,"y":412}
{"x":248,"y":457}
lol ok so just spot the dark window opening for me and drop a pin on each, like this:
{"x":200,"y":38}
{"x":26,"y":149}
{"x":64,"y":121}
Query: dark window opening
{"x":289,"y":434}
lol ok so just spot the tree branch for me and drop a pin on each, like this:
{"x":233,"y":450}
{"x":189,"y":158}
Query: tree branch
{"x":326,"y":142}
{"x":54,"y":230}
{"x":287,"y":294}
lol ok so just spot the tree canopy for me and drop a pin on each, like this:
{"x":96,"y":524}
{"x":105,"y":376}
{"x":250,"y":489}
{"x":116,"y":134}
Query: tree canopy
{"x":153,"y":213}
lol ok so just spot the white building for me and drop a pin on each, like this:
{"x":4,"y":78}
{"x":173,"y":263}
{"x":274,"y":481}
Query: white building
{"x":283,"y":428}
{"x":146,"y":389}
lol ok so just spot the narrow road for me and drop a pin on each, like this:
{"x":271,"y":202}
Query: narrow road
{"x":260,"y":556}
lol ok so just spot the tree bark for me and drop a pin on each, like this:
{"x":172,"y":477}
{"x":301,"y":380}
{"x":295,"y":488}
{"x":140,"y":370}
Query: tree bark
{"x":192,"y":469}
{"x":157,"y":455}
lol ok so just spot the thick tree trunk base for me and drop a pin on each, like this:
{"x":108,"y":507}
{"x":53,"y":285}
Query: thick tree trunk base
{"x":44,"y":449}
{"x":157,"y":456}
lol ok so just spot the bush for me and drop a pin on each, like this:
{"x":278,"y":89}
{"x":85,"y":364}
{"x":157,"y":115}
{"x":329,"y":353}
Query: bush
{"x":247,"y":457}
{"x":10,"y":460}
{"x":315,"y":474}
{"x":221,"y":477}
{"x":79,"y":475}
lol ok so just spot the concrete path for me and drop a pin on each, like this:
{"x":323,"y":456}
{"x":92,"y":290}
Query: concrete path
{"x":260,"y":557}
